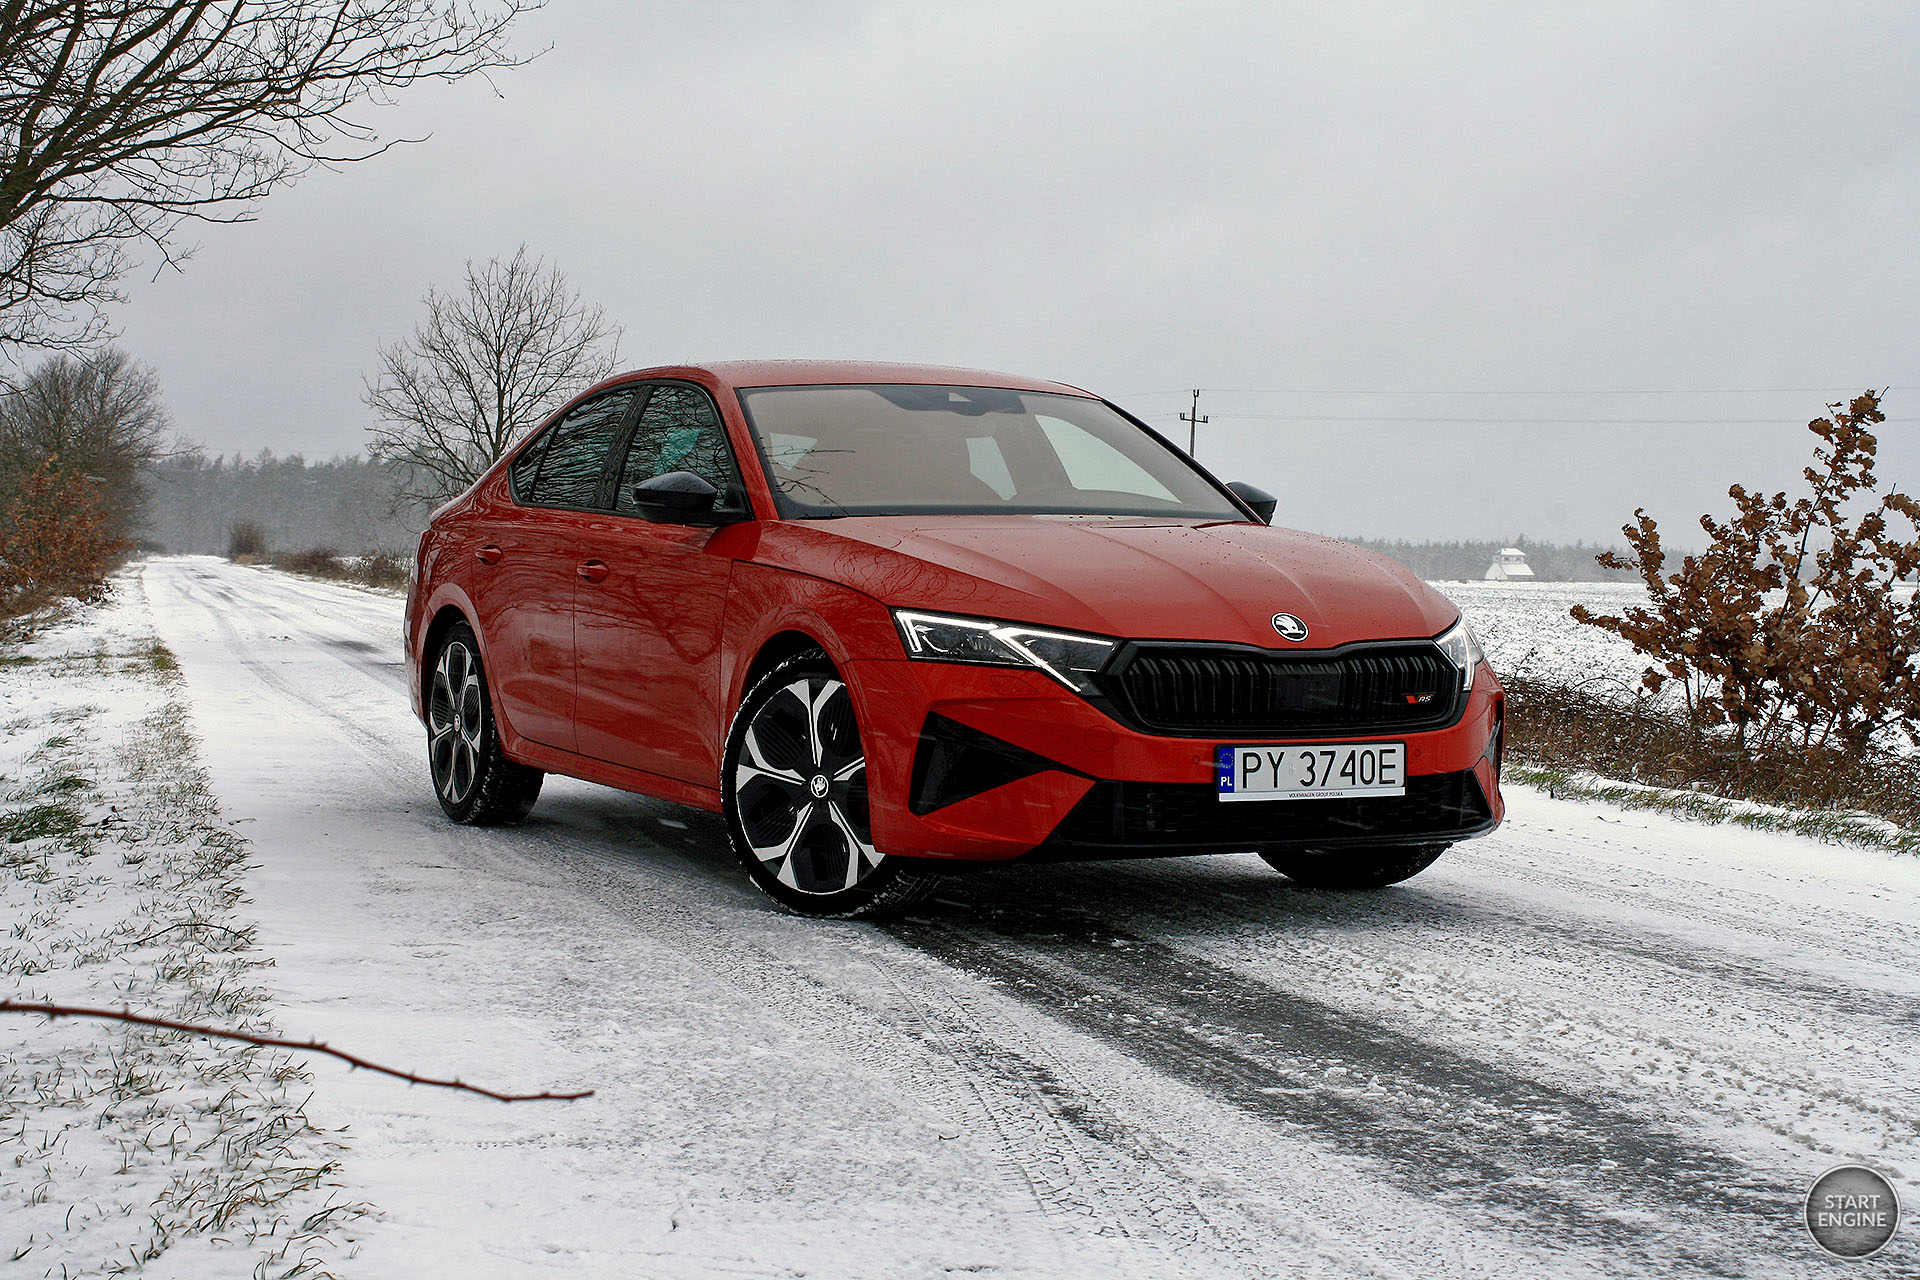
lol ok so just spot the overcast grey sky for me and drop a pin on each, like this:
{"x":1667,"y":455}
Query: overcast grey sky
{"x":1412,"y":254}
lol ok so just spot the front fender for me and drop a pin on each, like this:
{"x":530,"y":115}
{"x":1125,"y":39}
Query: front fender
{"x":765,"y":603}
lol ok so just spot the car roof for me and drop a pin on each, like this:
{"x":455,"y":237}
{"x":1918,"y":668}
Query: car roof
{"x":789,"y":373}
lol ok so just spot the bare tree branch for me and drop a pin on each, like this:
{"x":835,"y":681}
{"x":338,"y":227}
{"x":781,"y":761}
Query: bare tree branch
{"x":123,"y":120}
{"x":274,"y":1042}
{"x":483,"y":368}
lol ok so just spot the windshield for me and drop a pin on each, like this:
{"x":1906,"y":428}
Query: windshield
{"x":868,"y":450}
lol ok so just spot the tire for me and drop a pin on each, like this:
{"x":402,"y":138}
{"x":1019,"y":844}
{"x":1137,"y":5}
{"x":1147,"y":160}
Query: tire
{"x":794,"y":792}
{"x":472,"y":777}
{"x":1356,"y":868}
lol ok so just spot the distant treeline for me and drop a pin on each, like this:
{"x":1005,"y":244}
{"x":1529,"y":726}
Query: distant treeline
{"x":1550,"y":562}
{"x":344,"y":503}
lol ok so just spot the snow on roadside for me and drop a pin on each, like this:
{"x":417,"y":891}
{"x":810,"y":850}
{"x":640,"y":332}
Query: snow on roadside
{"x":128,"y":1148}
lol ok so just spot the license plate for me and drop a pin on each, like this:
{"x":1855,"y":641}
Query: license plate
{"x":1323,"y":771}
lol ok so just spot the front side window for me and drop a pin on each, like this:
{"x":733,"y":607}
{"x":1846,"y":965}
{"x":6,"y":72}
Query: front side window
{"x":576,"y":451}
{"x":865,"y":450}
{"x":679,"y":431}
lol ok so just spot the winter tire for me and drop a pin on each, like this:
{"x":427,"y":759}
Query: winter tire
{"x":474,"y":780}
{"x":794,"y":788}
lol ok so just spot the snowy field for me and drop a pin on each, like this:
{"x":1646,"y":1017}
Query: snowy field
{"x":1526,"y":630}
{"x":1597,"y":1043}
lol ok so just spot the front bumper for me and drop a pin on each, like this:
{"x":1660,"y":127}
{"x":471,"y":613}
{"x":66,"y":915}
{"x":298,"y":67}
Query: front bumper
{"x":992,"y":764}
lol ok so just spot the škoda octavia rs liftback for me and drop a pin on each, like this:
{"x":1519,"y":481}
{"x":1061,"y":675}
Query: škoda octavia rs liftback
{"x":888,"y":619}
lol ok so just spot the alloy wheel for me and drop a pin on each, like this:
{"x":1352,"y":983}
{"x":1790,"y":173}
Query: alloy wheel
{"x":800,"y":780}
{"x":456,"y":722}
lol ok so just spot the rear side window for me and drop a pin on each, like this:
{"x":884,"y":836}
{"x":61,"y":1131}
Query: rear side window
{"x":526,"y":466}
{"x":576,"y":452}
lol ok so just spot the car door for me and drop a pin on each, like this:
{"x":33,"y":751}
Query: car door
{"x":648,"y":630}
{"x":530,"y":563}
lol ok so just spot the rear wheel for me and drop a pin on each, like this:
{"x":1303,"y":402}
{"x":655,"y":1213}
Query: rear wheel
{"x":795,"y":794}
{"x":1354,"y":868}
{"x":472,"y":777}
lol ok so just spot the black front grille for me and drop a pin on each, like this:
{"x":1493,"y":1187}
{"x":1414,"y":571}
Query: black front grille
{"x":1133,"y":818}
{"x":1228,"y":690}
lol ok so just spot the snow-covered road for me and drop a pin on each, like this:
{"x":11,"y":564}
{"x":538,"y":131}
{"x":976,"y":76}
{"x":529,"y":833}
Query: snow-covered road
{"x":1594,"y":1044}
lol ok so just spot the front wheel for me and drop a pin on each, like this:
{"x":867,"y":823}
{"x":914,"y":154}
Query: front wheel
{"x":1355,"y":868}
{"x":472,"y":777}
{"x":795,"y":794}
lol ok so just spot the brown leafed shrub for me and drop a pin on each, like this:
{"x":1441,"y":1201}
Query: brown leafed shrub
{"x":57,"y":538}
{"x":1788,"y":628}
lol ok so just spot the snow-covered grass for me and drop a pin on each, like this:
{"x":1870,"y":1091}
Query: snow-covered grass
{"x":1853,"y":827}
{"x":124,"y":1148}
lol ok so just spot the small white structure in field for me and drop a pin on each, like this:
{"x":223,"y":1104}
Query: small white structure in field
{"x":1510,"y":566}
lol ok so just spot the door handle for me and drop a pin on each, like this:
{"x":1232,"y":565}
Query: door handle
{"x":488,"y":554}
{"x":594,"y":570}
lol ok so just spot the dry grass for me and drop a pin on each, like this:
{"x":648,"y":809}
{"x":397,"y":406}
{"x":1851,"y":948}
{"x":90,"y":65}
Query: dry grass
{"x":1559,"y":733}
{"x":374,"y":569}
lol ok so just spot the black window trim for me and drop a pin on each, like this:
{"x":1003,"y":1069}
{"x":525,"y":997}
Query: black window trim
{"x":602,"y":493}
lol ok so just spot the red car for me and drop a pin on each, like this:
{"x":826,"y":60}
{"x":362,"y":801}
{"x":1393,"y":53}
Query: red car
{"x":888,"y":619}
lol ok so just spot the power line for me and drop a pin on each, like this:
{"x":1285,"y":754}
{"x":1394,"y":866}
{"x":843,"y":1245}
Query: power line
{"x":1537,"y":421}
{"x":1597,"y":391}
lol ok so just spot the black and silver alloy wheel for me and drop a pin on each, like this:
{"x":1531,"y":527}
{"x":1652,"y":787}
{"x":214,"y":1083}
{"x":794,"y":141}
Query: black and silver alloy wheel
{"x":456,"y":722}
{"x":472,"y":777}
{"x":796,"y":798}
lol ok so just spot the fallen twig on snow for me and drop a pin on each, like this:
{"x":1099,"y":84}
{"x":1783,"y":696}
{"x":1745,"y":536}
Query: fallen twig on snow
{"x":274,"y":1042}
{"x":188,"y":924}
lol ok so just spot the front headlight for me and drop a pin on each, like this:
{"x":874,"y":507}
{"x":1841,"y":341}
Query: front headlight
{"x":1462,"y":649}
{"x":1067,"y":656}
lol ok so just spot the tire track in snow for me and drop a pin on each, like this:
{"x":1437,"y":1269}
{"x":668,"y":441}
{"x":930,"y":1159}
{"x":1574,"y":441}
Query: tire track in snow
{"x":1064,"y":1147}
{"x":1856,"y":940}
{"x":1775,"y":1084}
{"x":1437,"y":1121}
{"x":369,"y":742}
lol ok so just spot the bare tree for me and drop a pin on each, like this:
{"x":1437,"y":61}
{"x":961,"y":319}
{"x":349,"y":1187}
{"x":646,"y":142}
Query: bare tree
{"x":123,"y":120}
{"x":98,"y":416}
{"x":485,"y":367}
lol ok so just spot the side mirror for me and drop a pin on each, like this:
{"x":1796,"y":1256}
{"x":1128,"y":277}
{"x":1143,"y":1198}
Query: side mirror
{"x":1262,"y":502}
{"x":678,"y":497}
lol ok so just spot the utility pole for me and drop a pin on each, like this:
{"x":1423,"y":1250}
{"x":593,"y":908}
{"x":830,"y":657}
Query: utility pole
{"x":1193,"y":421}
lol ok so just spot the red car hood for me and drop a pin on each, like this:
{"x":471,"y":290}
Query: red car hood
{"x":1118,"y":576}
